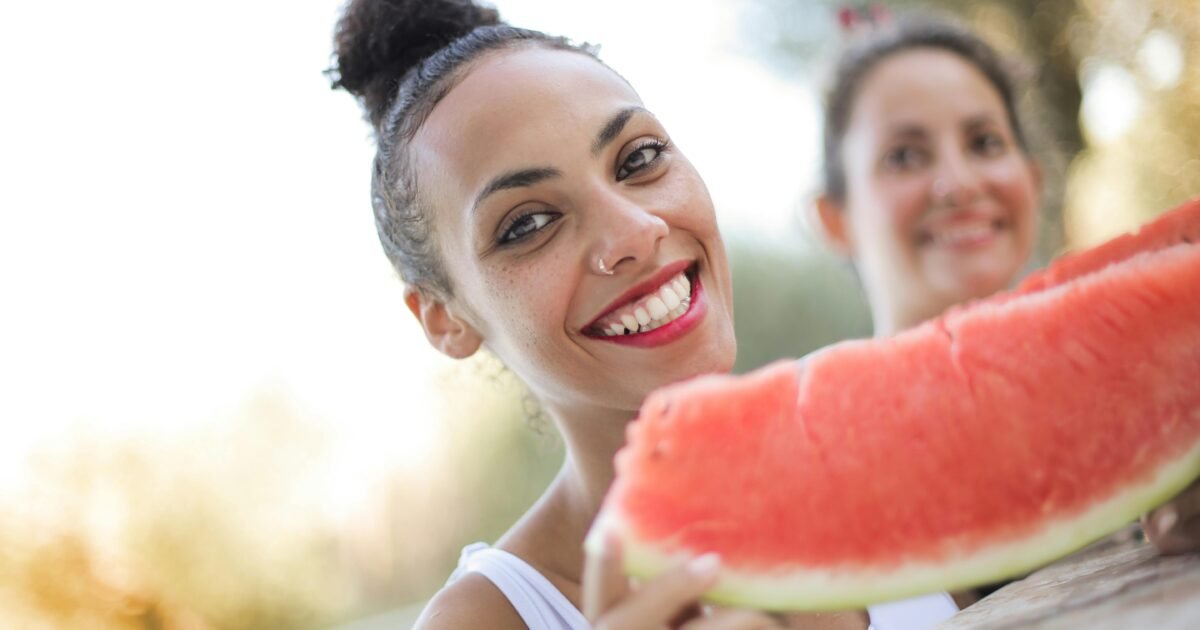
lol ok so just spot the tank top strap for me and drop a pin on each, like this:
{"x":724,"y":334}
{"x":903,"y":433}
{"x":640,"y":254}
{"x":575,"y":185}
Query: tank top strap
{"x":540,"y":605}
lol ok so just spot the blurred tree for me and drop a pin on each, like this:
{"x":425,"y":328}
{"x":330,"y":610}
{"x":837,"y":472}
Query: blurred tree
{"x":1141,"y":64}
{"x":497,"y":455}
{"x":789,"y":300}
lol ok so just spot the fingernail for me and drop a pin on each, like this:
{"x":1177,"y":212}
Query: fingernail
{"x":705,"y":566}
{"x":1166,"y":519}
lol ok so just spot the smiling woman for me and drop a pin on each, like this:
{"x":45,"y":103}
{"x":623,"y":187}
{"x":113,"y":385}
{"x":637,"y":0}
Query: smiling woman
{"x":579,"y":181}
{"x":929,"y":185}
{"x":535,"y":207}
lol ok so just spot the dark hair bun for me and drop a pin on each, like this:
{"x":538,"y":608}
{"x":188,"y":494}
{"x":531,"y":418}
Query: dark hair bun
{"x":377,"y":41}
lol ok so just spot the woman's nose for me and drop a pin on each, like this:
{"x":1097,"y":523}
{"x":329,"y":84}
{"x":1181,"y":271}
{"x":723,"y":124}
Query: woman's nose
{"x":626,"y":234}
{"x":955,"y":180}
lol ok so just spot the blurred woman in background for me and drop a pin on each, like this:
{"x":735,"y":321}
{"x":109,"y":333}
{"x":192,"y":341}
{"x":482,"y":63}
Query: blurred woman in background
{"x":930,"y":188}
{"x":929,"y":185}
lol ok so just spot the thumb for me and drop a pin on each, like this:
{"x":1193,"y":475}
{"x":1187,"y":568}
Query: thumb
{"x":604,"y":582}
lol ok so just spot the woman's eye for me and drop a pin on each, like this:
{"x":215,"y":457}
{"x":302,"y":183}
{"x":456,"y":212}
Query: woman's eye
{"x":640,"y":158}
{"x":525,"y":225}
{"x":988,"y":144}
{"x":904,"y":158}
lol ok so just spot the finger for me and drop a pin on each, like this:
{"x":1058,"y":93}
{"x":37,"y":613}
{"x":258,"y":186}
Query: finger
{"x":734,"y":619}
{"x":1187,"y":503}
{"x":1175,"y":526}
{"x":660,"y":600}
{"x":689,"y":612}
{"x":604,"y":582}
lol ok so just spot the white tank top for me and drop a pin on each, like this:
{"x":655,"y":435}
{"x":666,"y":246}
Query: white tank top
{"x":540,"y":605}
{"x":543,"y":607}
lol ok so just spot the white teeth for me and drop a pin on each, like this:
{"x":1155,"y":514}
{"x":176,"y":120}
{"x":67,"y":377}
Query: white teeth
{"x":683,"y":286}
{"x":962,"y":233}
{"x":657,"y":308}
{"x":669,"y":298}
{"x":672,"y":300}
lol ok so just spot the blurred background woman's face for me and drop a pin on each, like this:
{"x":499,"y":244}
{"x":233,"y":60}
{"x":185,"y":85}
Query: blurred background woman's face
{"x":942,"y":200}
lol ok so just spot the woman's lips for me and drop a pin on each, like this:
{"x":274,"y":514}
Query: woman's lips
{"x":674,"y":327}
{"x":666,"y":302}
{"x":962,"y":234}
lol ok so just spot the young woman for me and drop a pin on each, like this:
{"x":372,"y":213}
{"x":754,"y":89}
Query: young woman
{"x":535,"y":207}
{"x":931,"y":191}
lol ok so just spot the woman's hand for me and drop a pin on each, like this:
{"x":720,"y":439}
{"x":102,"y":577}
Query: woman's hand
{"x":669,"y":600}
{"x":1175,"y":526}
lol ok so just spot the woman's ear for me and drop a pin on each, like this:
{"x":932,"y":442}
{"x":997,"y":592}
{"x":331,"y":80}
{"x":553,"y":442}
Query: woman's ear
{"x":835,"y":225}
{"x":446,"y":330}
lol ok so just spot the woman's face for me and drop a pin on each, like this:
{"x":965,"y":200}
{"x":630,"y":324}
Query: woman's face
{"x":941,"y":200}
{"x":534,"y":167}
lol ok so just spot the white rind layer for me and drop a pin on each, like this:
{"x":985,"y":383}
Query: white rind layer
{"x":826,"y":589}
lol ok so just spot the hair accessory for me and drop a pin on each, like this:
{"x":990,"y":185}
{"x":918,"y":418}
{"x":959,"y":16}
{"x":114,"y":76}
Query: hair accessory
{"x":857,"y":18}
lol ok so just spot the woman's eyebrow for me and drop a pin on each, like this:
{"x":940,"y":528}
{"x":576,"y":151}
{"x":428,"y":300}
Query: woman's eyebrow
{"x":907,"y":130}
{"x":531,"y":176}
{"x":977,"y":121}
{"x":613,"y":127}
{"x":515,"y":179}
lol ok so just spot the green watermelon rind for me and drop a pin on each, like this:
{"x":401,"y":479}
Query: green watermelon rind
{"x":856,"y":587}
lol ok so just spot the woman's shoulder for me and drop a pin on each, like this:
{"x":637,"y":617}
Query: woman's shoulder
{"x":471,"y":601}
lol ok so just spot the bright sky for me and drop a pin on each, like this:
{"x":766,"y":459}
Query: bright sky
{"x":184,"y":212}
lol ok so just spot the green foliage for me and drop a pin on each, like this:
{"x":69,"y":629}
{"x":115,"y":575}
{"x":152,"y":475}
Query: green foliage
{"x":790,"y":299}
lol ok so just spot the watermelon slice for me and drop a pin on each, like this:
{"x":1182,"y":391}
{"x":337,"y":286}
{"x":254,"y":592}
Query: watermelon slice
{"x":975,"y":447}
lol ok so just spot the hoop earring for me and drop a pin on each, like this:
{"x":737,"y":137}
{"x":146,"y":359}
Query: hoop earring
{"x":603,"y":270}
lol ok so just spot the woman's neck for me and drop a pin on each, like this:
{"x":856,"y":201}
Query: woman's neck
{"x":592,"y":441}
{"x":552,"y":532}
{"x":889,"y":319}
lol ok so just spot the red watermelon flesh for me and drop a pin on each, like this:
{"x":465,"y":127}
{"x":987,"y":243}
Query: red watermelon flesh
{"x":1179,"y":226}
{"x":972,"y":448}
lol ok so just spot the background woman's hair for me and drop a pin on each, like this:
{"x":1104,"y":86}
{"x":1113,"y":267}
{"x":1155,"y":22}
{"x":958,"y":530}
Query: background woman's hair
{"x":867,"y":49}
{"x":399,"y":58}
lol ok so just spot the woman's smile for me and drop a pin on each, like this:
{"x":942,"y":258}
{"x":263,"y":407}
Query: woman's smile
{"x":659,"y":310}
{"x":962,"y":232}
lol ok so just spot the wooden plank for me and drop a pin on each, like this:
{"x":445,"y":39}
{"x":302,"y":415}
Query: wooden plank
{"x":1120,"y":582}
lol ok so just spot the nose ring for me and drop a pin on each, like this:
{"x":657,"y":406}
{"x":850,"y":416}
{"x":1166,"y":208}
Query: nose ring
{"x":603,"y":270}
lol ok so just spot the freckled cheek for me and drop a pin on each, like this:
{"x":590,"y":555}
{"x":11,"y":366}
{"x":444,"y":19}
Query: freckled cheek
{"x":534,"y":306}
